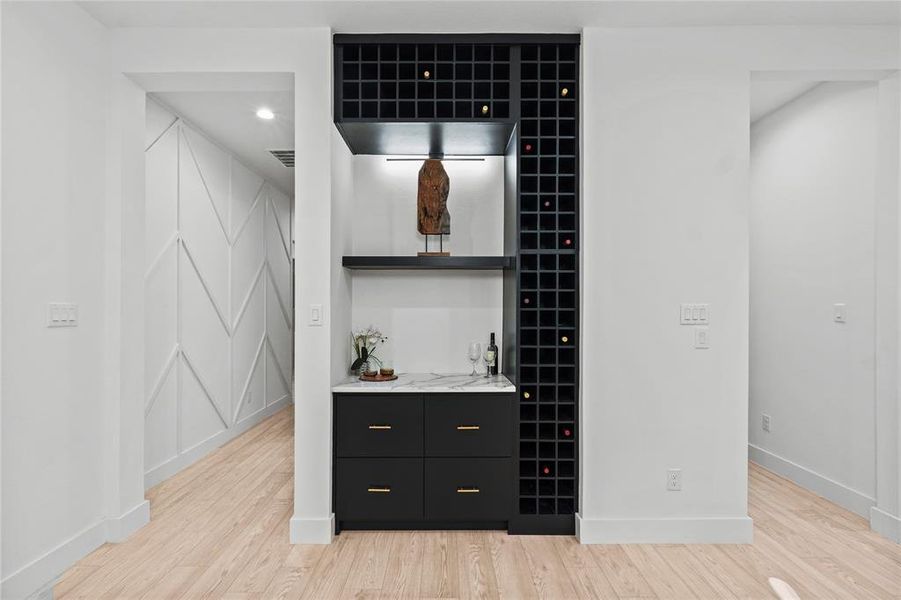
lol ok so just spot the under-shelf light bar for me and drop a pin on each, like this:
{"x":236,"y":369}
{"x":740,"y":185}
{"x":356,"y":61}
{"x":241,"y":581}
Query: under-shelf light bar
{"x":443,"y":158}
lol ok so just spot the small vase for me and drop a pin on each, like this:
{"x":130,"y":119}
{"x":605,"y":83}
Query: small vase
{"x":364,"y":367}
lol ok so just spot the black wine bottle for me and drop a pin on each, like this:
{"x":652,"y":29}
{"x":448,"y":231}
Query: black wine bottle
{"x":492,"y":367}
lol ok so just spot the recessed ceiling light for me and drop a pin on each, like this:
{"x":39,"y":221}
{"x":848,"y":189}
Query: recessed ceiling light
{"x":265,"y":113}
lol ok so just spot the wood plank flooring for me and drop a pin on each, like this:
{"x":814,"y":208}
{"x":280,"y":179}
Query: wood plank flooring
{"x":219,"y":529}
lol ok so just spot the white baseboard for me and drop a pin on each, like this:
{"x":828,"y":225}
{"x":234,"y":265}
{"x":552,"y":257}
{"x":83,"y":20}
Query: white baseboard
{"x":885,"y":524}
{"x":695,"y":530}
{"x":312,"y":531}
{"x":195,"y":453}
{"x":119,"y":528}
{"x":832,"y":490}
{"x":34,"y":578}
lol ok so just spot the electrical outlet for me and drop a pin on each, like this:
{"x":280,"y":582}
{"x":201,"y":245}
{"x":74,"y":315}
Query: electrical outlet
{"x":674,"y":480}
{"x":765,"y":422}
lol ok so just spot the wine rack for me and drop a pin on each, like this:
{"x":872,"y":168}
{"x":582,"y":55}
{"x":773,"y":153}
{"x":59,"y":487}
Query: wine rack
{"x":547,"y":370}
{"x":415,"y":81}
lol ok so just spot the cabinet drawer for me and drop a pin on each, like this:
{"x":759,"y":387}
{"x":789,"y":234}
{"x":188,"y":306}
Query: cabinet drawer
{"x":379,"y":489}
{"x":468,"y":425}
{"x":468,"y":489}
{"x":379,"y":425}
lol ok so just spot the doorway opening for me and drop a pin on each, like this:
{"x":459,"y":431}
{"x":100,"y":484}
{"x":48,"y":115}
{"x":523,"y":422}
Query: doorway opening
{"x":818,"y":256}
{"x":218,"y":279}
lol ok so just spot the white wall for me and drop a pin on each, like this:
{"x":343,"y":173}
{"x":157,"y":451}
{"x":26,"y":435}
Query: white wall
{"x":217,"y":296}
{"x":429,"y":317}
{"x":665,"y":220}
{"x":813,"y":245}
{"x":55,"y":104}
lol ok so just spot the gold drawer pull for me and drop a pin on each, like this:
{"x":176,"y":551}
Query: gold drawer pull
{"x":468,"y":427}
{"x":485,"y":109}
{"x":467,"y":490}
{"x":564,"y":339}
{"x":380,"y":427}
{"x":379,"y":490}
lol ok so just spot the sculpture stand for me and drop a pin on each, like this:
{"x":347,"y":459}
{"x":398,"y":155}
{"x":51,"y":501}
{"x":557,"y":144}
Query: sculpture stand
{"x":440,"y":252}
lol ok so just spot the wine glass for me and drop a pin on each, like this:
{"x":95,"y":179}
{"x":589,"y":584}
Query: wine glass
{"x":489,"y":356}
{"x":475,"y":353}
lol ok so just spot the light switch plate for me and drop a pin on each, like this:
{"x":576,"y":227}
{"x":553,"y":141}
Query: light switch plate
{"x":702,"y":338}
{"x":316,"y":315}
{"x":694,"y":314}
{"x":62,"y":314}
{"x":840,"y":313}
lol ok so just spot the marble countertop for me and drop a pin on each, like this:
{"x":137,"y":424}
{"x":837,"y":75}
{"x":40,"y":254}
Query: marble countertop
{"x":429,"y":382}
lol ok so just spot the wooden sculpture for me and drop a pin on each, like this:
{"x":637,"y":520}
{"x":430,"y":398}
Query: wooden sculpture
{"x":431,"y":203}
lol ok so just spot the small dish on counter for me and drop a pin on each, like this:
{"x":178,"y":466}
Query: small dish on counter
{"x":377,"y":376}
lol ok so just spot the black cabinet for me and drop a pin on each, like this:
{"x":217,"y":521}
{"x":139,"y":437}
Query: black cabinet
{"x":378,"y":425}
{"x":470,"y":489}
{"x":467,"y":425}
{"x":423,"y":460}
{"x":373,"y":489}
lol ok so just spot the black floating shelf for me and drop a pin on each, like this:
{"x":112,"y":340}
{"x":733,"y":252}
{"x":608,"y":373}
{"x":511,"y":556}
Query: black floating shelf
{"x":462,"y":138}
{"x":459,"y":263}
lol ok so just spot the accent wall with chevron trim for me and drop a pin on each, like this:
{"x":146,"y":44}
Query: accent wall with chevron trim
{"x":218,"y":296}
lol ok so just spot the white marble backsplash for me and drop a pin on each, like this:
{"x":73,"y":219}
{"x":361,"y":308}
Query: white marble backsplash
{"x":429,"y":382}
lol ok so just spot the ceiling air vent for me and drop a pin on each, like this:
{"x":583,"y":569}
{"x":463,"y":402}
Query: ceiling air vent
{"x":286,"y":157}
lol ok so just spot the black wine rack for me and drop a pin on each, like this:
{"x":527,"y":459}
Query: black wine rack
{"x":547,"y":372}
{"x":416,"y":81}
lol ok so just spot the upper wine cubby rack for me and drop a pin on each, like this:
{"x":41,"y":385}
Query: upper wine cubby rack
{"x":418,"y":94}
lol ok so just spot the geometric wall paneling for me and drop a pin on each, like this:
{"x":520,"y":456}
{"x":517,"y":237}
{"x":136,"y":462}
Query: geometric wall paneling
{"x":277,"y":386}
{"x":245,"y":188}
{"x":218,"y":333}
{"x":278,"y":331}
{"x":159,"y":120}
{"x":279,"y":260}
{"x":198,"y":416}
{"x":247,"y":340}
{"x":161,"y":438}
{"x":160,"y":309}
{"x":253,"y":392}
{"x":203,"y":335}
{"x":214,"y":166}
{"x":203,"y":232}
{"x":161,"y":195}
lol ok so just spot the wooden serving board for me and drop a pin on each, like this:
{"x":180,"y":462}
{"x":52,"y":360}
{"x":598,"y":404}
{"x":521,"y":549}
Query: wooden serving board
{"x":378,"y":377}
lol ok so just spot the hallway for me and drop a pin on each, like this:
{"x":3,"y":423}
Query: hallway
{"x":219,"y":530}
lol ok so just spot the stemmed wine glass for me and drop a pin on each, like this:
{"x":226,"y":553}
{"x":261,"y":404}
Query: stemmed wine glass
{"x":475,"y":353}
{"x":489,"y":357}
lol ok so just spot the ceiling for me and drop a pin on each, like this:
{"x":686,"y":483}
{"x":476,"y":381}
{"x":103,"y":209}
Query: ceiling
{"x":488,"y":15}
{"x":229,"y":118}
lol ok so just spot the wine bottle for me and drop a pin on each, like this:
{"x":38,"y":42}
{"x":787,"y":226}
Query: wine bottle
{"x":492,"y":367}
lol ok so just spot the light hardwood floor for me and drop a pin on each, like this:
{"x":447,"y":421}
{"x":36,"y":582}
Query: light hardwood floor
{"x":219,"y":529}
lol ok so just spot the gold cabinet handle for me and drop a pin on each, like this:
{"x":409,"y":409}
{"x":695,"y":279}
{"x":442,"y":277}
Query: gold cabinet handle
{"x":426,"y":74}
{"x":380,"y":427}
{"x":485,"y":109}
{"x":467,"y":490}
{"x":526,"y":395}
{"x":564,"y":92}
{"x":468,"y":428}
{"x":379,"y":490}
{"x":564,"y":339}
